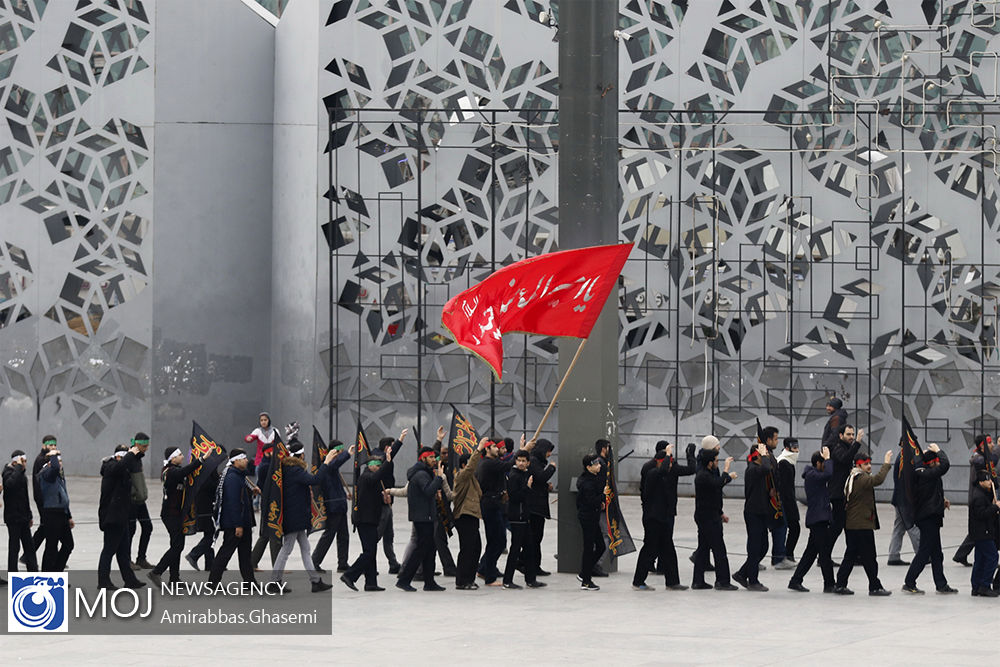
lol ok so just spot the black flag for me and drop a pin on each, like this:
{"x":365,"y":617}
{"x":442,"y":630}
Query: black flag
{"x":361,"y":449}
{"x":617,"y":538}
{"x":202,"y":444}
{"x":317,"y":502}
{"x":272,"y":499}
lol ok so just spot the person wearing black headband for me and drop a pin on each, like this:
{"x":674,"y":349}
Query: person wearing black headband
{"x":389,"y":448}
{"x":17,"y":512}
{"x":492,"y":476}
{"x":424,"y":480}
{"x":174,"y":478}
{"x":234,"y":517}
{"x":57,"y":520}
{"x":113,"y":510}
{"x":708,"y":516}
{"x":861,"y":522}
{"x":139,"y":516}
{"x":984,"y":509}
{"x":929,"y":516}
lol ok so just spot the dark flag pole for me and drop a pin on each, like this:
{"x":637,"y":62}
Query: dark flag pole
{"x":202,"y":445}
{"x":317,"y":502}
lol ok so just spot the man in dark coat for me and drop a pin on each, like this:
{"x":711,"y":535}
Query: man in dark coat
{"x":756,"y":511}
{"x":541,"y":472}
{"x":57,"y":519}
{"x":902,"y":511}
{"x":786,"y":490}
{"x":424,"y":480}
{"x":984,"y":530}
{"x":836,"y":417}
{"x":860,"y":524}
{"x":234,"y":516}
{"x":174,"y":478}
{"x":112,"y":513}
{"x":204,"y":506}
{"x":370,"y":486}
{"x":590,"y":494}
{"x":139,"y":516}
{"x":982,"y":458}
{"x":48,"y":444}
{"x":389,"y":448}
{"x":842,"y":452}
{"x":818,"y":513}
{"x":708,"y":516}
{"x":519,"y":485}
{"x":492,"y":477}
{"x":658,"y":511}
{"x":296,"y":512}
{"x":929,"y":517}
{"x":335,"y":499}
{"x":17,"y":512}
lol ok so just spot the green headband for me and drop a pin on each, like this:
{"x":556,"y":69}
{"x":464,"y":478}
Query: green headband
{"x":374,"y":461}
{"x":49,"y":442}
{"x":139,"y":442}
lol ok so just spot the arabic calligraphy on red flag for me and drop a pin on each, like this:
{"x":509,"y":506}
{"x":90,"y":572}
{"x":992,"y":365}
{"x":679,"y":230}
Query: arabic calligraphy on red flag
{"x":558,"y":294}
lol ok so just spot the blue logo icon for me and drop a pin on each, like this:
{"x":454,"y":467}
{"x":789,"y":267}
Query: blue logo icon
{"x":36,"y":602}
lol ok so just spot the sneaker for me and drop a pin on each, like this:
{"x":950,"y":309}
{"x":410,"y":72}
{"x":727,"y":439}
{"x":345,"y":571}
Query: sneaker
{"x":794,"y":586}
{"x":394,"y":569}
{"x":542,"y":573}
{"x":700,"y":586}
{"x":320,"y":586}
{"x":898,"y":562}
{"x":946,"y":589}
{"x":511,"y":586}
{"x":757,"y":587}
{"x":741,"y":579}
{"x":405,"y":587}
{"x":319,"y":569}
{"x":467,"y":587}
{"x":988,"y":593}
{"x":842,"y":590}
{"x":192,"y":562}
{"x":963,"y":561}
{"x":579,"y":578}
{"x":785,"y":564}
{"x":879,"y":593}
{"x":912,"y":589}
{"x":726,"y":587}
{"x":642,"y":587}
{"x":433,"y":587}
{"x":145,"y":564}
{"x":589,"y":586}
{"x":373,"y":589}
{"x":536,"y":584}
{"x":136,"y":566}
{"x":677,"y":587}
{"x":347,"y":582}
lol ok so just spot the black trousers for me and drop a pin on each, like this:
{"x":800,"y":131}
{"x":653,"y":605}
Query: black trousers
{"x":441,"y":544}
{"x":965,"y":548}
{"x":757,"y":532}
{"x":19,"y":537}
{"x":422,"y":556}
{"x":470,"y":545}
{"x":140,"y":519}
{"x":928,"y":551}
{"x":593,"y":545}
{"x":231,"y":543}
{"x":58,"y":538}
{"x":364,"y":564}
{"x":336,"y":527}
{"x":861,"y":548}
{"x":172,"y":558}
{"x":496,"y":542}
{"x":818,"y":546}
{"x":520,"y":552}
{"x":658,"y":545}
{"x":536,"y":532}
{"x":204,"y":548}
{"x":839,"y":516}
{"x":258,"y":549}
{"x":710,"y":540}
{"x":116,"y":545}
{"x":794,"y":529}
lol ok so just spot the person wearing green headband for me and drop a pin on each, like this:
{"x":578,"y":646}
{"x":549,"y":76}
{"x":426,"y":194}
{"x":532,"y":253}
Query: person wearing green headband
{"x":48,"y":442}
{"x":139,"y":513}
{"x":369,"y":510}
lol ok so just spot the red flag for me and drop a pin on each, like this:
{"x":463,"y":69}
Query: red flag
{"x":558,"y":294}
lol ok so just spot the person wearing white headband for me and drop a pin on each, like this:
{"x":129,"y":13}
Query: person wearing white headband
{"x":17,"y":512}
{"x":174,"y":477}
{"x":234,"y":516}
{"x":113,"y":510}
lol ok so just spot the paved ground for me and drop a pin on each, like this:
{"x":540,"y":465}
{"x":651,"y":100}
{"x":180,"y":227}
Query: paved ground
{"x":565,"y":625}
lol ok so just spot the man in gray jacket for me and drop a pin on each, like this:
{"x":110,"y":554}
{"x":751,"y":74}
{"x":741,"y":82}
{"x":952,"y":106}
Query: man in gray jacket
{"x":139,"y":514}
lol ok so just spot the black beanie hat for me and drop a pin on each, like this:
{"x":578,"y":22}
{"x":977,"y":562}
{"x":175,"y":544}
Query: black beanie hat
{"x":835,"y":402}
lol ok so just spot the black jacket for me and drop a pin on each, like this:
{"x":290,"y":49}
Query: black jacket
{"x":16,"y":508}
{"x":899,"y":499}
{"x":115,"y":503}
{"x":538,"y":496}
{"x":842,"y":458}
{"x":369,"y":499}
{"x":236,"y":502}
{"x":390,"y":481}
{"x":334,"y":494}
{"x":816,"y":484}
{"x":423,"y":484}
{"x":517,"y":491}
{"x":174,"y":480}
{"x":589,"y":495}
{"x":140,"y":492}
{"x":786,"y":487}
{"x":297,"y":482}
{"x":708,"y":494}
{"x":929,"y":490}
{"x":36,"y":480}
{"x":983,"y":516}
{"x":204,"y":502}
{"x":757,"y":499}
{"x":660,"y":487}
{"x":646,"y":467}
{"x":492,"y":475}
{"x":831,"y":430}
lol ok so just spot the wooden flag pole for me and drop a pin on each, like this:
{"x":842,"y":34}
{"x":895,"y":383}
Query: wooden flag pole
{"x":559,"y":389}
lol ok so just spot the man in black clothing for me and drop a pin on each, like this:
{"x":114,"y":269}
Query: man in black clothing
{"x":756,"y":512}
{"x":816,"y":479}
{"x":424,"y":481}
{"x":492,"y":476}
{"x":335,"y":499}
{"x":591,"y":489}
{"x":204,"y":505}
{"x":48,"y":444}
{"x":174,"y":478}
{"x":708,"y":516}
{"x":56,"y":515}
{"x":982,"y":458}
{"x":902,"y":499}
{"x":929,"y":516}
{"x":837,"y":417}
{"x":370,"y":486}
{"x":389,"y":448}
{"x":519,"y":484}
{"x":17,"y":512}
{"x":786,"y":490}
{"x":541,"y":472}
{"x":234,"y":516}
{"x":842,"y":453}
{"x":659,"y":486}
{"x":112,"y":512}
{"x":984,"y":531}
{"x":139,"y":513}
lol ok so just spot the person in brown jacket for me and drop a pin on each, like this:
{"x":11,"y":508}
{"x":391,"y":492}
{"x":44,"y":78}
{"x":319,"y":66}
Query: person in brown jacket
{"x":861,"y":523}
{"x":467,"y":512}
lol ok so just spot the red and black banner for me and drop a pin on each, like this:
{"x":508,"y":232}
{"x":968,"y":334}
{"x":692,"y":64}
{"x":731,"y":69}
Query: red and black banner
{"x":909,"y":458}
{"x":202,"y":445}
{"x":617,"y":538}
{"x":272,"y":498}
{"x":361,"y":449}
{"x":317,"y":502}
